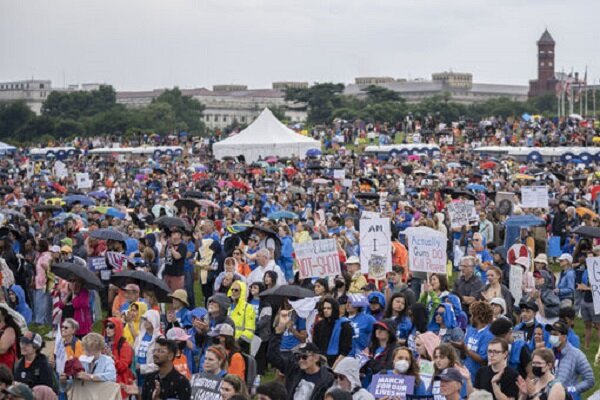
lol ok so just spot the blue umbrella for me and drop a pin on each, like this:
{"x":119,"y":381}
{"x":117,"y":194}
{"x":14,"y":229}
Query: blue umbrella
{"x":282,"y":214}
{"x":98,"y":195}
{"x":84,"y":200}
{"x":475,"y":187}
{"x":113,"y":212}
{"x":313,"y":152}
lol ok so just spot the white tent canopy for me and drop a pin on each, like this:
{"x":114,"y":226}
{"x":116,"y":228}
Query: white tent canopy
{"x":266,"y":136}
{"x":6,"y":148}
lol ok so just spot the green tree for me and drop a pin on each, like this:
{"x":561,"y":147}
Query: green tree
{"x":67,"y":127}
{"x":379,"y":94}
{"x":160,"y":118}
{"x":321,"y":99}
{"x":35,"y":128}
{"x":187,"y":111}
{"x":76,"y":104}
{"x":13,"y":116}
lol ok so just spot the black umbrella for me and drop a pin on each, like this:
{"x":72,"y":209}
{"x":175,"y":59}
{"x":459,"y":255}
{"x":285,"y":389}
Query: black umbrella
{"x":47,"y":208}
{"x":108,"y":234}
{"x":588,"y":231}
{"x":189,"y":204}
{"x":172,"y":222}
{"x":232,"y":241}
{"x":5,"y":229}
{"x":145,"y":280}
{"x":367,"y":196}
{"x":196,"y":194}
{"x":277,"y":294}
{"x":70,"y":271}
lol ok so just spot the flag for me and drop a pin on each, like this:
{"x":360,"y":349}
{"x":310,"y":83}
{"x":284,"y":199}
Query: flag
{"x":60,"y":352}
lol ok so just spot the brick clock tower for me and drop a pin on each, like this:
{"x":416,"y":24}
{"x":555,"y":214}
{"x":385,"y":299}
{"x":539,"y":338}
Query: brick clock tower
{"x":546,"y":80}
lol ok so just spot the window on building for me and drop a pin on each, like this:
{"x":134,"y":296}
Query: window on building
{"x":243,"y":119}
{"x":41,"y":86}
{"x":542,"y":64}
{"x":216,"y":118}
{"x":224,"y":118}
{"x":550,"y":63}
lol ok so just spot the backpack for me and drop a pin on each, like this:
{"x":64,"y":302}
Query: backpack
{"x":251,"y":369}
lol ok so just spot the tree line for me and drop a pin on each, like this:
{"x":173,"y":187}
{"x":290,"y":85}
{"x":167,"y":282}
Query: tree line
{"x":70,"y":114}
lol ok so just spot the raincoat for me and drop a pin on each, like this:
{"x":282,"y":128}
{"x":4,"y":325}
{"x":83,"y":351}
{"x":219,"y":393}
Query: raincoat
{"x":122,"y":353}
{"x":243,"y":314}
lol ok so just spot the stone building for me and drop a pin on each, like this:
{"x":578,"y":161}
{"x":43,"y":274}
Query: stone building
{"x":546,"y":78}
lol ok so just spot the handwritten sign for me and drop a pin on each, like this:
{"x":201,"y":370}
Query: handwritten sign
{"x":461,"y":212}
{"x":515,"y":282}
{"x":205,"y":387}
{"x":426,"y":250}
{"x":317,"y":258}
{"x":375,"y":247}
{"x":83,"y":180}
{"x":534,"y":197}
{"x":60,"y":170}
{"x":391,"y":386}
{"x":593,"y":267}
{"x":60,"y":353}
{"x":339,"y":174}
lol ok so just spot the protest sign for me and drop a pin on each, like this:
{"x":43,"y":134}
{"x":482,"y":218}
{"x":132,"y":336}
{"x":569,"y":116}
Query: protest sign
{"x":60,"y":352}
{"x":339,"y":174}
{"x":375,"y":247}
{"x":391,"y":386}
{"x":317,"y":258}
{"x":96,"y":263}
{"x":534,"y":196}
{"x":347,"y":182}
{"x":461,"y":212}
{"x":515,"y":282}
{"x":593,"y":268}
{"x":60,"y":170}
{"x":426,"y":371}
{"x":205,"y":387}
{"x":83,"y":180}
{"x":370,"y":214}
{"x":426,"y":250}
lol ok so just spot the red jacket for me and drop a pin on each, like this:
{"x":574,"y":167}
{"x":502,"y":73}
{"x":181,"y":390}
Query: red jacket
{"x":122,"y":354}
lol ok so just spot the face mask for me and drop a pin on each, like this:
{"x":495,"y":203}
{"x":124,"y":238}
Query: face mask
{"x":537,"y":372}
{"x":529,"y":323}
{"x":216,"y":340}
{"x":554,"y":340}
{"x":401,"y":366}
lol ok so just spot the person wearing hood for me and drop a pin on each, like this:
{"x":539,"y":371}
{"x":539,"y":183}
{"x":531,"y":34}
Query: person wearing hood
{"x":380,"y":350}
{"x":143,"y":346}
{"x":462,"y":319}
{"x":347,"y":378}
{"x":218,"y":308}
{"x":198,"y":338}
{"x":133,"y":320}
{"x":376,"y":305}
{"x":16,"y":296}
{"x":444,"y":324}
{"x":499,"y":308}
{"x":120,"y":349}
{"x":241,"y":313}
{"x":333,"y":333}
{"x":362,"y":323}
{"x":544,"y":296}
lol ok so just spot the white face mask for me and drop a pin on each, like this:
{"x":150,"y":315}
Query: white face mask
{"x":554,"y":340}
{"x":401,"y":366}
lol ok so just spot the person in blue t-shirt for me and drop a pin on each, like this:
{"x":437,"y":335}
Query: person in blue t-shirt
{"x":474,"y":348}
{"x":188,"y":267}
{"x":362,"y":323}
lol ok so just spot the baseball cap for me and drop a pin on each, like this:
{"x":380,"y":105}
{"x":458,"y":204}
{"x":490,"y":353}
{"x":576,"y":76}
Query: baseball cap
{"x":221,"y":330}
{"x":66,"y":249}
{"x":19,"y":390}
{"x":133,"y":287}
{"x":558,"y":326}
{"x":32,"y":339}
{"x":566,"y":257}
{"x":177,"y":334}
{"x":55,"y":249}
{"x":307,"y":347}
{"x":66,"y":241}
{"x":528,"y":305}
{"x":449,"y":375}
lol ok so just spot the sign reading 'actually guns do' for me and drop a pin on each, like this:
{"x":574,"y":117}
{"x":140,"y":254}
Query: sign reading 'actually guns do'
{"x":317,"y":258}
{"x":426,"y":250}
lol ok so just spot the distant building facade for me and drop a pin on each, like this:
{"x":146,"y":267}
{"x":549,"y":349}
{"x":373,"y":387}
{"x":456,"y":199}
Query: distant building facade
{"x":373,"y":80}
{"x":224,"y":107}
{"x":546,"y":78}
{"x":459,"y":85}
{"x":289,"y":85}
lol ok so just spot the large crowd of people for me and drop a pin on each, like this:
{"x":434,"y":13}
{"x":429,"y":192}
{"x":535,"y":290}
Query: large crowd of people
{"x":177,"y":278}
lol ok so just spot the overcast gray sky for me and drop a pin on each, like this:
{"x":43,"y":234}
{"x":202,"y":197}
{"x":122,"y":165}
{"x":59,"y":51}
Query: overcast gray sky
{"x":146,"y":44}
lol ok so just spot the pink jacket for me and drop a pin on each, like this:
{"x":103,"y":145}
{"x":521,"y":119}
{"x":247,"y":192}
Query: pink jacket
{"x":83,"y":313}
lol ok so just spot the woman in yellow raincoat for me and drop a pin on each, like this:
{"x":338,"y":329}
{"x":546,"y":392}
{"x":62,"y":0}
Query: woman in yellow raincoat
{"x":242,"y":313}
{"x":133,"y":319}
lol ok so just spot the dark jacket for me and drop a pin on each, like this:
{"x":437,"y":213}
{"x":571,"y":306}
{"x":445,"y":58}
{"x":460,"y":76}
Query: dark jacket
{"x":322,"y":336}
{"x":38,"y":373}
{"x":559,"y":224}
{"x":293,"y":374}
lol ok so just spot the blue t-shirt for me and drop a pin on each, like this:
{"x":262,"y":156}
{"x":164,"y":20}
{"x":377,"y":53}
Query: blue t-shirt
{"x":477,"y":341}
{"x":288,"y":340}
{"x":362,"y":326}
{"x":142,"y":352}
{"x":188,"y":264}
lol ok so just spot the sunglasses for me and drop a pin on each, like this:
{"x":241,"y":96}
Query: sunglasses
{"x":110,"y":326}
{"x":439,"y":314}
{"x":339,"y":376}
{"x":235,"y":290}
{"x":302,"y":357}
{"x":65,"y":327}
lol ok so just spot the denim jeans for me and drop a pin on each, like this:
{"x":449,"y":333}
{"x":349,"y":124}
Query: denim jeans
{"x":41,"y":307}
